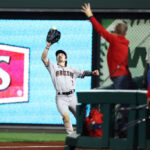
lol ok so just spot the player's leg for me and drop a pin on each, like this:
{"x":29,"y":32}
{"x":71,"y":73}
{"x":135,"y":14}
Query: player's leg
{"x":73,"y":104}
{"x":62,"y":105}
{"x":67,"y":123}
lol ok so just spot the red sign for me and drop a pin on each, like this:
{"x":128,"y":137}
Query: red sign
{"x":14,"y":74}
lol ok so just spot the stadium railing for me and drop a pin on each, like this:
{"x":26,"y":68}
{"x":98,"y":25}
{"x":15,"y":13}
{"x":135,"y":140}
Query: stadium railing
{"x":136,"y":136}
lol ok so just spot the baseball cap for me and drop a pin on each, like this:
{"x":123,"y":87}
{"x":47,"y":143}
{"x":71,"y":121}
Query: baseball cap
{"x":61,"y":51}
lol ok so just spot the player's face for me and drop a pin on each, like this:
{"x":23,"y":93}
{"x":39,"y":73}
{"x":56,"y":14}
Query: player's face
{"x":61,"y":58}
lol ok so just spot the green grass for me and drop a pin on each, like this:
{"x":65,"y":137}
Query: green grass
{"x":30,"y":137}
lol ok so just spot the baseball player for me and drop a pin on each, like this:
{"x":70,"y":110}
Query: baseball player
{"x":64,"y":80}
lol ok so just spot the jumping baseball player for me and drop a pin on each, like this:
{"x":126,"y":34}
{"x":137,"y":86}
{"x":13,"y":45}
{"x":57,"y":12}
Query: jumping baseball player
{"x":64,"y":80}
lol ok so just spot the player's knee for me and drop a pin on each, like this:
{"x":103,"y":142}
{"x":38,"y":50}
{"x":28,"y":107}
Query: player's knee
{"x":66,"y":117}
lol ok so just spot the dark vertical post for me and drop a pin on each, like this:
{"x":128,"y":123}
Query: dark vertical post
{"x":95,"y":58}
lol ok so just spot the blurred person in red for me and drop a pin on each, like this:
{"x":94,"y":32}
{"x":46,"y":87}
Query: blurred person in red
{"x":117,"y":56}
{"x":117,"y":59}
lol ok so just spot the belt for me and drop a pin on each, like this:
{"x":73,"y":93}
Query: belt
{"x":66,"y":93}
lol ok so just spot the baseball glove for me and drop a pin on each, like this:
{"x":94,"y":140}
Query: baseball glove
{"x":53,"y":36}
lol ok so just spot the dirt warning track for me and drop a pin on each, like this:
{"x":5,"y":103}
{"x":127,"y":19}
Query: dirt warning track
{"x":32,"y":146}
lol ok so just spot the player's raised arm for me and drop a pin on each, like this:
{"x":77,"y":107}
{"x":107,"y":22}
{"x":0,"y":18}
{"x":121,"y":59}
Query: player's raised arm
{"x":45,"y":53}
{"x":53,"y":36}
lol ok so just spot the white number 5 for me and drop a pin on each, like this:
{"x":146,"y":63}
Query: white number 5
{"x":4,"y":76}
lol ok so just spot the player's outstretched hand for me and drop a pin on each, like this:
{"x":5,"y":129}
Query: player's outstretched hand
{"x":95,"y":72}
{"x":86,"y":8}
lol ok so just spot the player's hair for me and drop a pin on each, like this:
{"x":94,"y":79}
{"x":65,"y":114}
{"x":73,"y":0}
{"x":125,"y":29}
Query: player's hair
{"x":61,"y":51}
{"x":121,"y":28}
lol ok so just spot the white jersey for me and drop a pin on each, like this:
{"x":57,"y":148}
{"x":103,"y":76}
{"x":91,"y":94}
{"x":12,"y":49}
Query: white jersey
{"x":63,"y":78}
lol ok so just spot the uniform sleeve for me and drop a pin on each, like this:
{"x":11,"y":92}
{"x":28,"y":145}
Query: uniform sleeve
{"x":51,"y":67}
{"x":77,"y":73}
{"x":101,"y":30}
